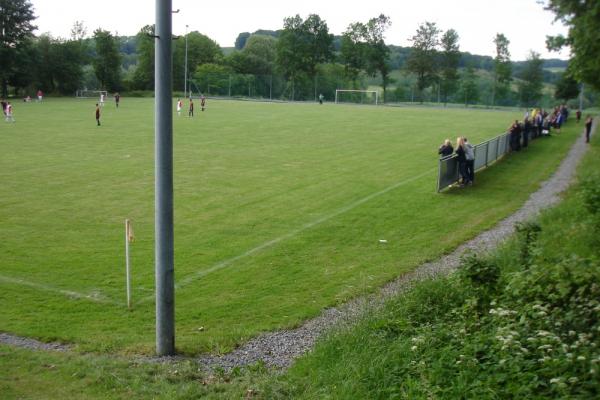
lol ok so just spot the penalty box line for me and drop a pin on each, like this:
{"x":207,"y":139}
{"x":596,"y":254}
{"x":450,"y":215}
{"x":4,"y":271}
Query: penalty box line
{"x":47,"y":288}
{"x":225,"y":263}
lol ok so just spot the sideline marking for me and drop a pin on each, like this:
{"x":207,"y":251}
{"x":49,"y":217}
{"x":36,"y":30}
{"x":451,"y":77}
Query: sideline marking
{"x":225,"y":263}
{"x":68,"y":293}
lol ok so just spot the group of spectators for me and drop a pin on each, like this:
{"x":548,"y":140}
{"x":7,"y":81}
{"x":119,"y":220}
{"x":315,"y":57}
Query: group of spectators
{"x":536,"y":123}
{"x":465,"y":155}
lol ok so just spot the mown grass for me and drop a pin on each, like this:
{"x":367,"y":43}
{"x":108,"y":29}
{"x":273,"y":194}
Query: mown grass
{"x":279,"y":209}
{"x":522,"y":322}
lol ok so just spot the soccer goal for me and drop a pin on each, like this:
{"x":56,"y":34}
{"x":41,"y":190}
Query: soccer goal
{"x":356,"y":96}
{"x":90,"y":94}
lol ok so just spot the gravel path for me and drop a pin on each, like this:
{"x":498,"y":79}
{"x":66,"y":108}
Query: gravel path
{"x":279,"y":349}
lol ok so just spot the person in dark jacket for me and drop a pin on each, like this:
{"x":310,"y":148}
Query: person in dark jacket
{"x":526,"y":131}
{"x":446,"y":149}
{"x":461,"y":157}
{"x":515,"y":136}
{"x":588,"y":128}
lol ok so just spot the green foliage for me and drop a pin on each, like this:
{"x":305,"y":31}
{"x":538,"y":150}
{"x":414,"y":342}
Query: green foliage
{"x":240,"y":41}
{"x":502,"y":68}
{"x":143,"y":77}
{"x":530,"y":85}
{"x":590,"y":193}
{"x":567,"y":88}
{"x":482,"y":275}
{"x":449,"y":60}
{"x":527,"y":234}
{"x":583,"y":39}
{"x":422,"y":59}
{"x":16,"y":17}
{"x":378,"y":53}
{"x":353,"y":51}
{"x":107,"y":63}
{"x":302,"y":45}
{"x":468,"y":85}
{"x":201,"y":50}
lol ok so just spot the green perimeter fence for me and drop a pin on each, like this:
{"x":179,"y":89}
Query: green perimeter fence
{"x":276,"y":87}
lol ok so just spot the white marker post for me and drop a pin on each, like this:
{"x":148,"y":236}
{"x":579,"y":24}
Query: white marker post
{"x":128,"y":239}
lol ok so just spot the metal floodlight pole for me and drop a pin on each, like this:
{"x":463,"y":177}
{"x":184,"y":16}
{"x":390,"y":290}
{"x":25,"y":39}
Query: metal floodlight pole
{"x":186,"y":64}
{"x":163,"y":134}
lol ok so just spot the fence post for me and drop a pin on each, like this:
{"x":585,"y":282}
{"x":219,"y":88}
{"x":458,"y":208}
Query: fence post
{"x":487,"y":152}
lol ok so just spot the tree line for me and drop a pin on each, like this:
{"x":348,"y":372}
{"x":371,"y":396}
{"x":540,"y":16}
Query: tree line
{"x":298,"y":61}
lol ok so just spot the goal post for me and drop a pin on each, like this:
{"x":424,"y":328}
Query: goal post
{"x":356,"y":96}
{"x":90,"y":94}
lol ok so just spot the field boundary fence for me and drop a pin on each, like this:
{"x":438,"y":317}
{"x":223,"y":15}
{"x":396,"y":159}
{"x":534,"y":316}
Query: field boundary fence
{"x":486,"y":153}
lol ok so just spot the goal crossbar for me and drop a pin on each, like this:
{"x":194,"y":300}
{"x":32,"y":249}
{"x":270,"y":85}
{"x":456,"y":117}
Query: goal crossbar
{"x":337,"y":91}
{"x":87,"y":94}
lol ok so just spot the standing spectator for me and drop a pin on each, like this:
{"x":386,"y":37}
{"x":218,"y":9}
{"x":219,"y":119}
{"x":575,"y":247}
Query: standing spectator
{"x":539,"y":122}
{"x":40,"y":95}
{"x":578,"y":115}
{"x":446,"y":149}
{"x":9,"y":113}
{"x":526,"y":132}
{"x":97,"y":114}
{"x":321,"y":97}
{"x":202,"y":102}
{"x":558,"y":121}
{"x":117,"y":99}
{"x":515,"y":136}
{"x":470,"y":163}
{"x":101,"y":99}
{"x":179,"y":107}
{"x":462,"y":160}
{"x":191,"y":109}
{"x":588,"y":128}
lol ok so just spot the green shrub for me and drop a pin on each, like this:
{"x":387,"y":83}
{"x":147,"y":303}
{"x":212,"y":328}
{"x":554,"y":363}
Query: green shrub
{"x":482,"y":275}
{"x":590,"y":193}
{"x":527,"y":235}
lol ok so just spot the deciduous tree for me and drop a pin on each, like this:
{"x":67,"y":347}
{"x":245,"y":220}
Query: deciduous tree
{"x":530,"y":86}
{"x":502,"y":68}
{"x":303,"y":45}
{"x":449,"y":59}
{"x":353,"y":51}
{"x":583,"y":19}
{"x":16,"y":18}
{"x":567,"y":87}
{"x":469,"y":86}
{"x":378,"y":53}
{"x":107,"y":62}
{"x":143,"y":77}
{"x":423,"y":56}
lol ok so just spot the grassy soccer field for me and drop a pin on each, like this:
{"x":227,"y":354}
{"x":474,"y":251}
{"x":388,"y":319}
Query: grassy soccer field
{"x":279,"y":209}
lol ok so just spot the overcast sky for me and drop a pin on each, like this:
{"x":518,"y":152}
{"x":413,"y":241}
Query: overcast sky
{"x":524,"y":22}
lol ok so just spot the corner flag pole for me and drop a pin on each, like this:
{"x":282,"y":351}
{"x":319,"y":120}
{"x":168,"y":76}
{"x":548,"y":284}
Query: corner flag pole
{"x":163,"y":134}
{"x":128,"y":239}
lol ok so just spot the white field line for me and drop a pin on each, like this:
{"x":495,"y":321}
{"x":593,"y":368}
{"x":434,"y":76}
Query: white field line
{"x":47,"y":288}
{"x":225,"y":263}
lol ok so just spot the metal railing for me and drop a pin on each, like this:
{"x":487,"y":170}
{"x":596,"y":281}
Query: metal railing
{"x":486,"y":153}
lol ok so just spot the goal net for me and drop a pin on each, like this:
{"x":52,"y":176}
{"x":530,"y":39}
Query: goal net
{"x":91,"y":94}
{"x":356,"y":96}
